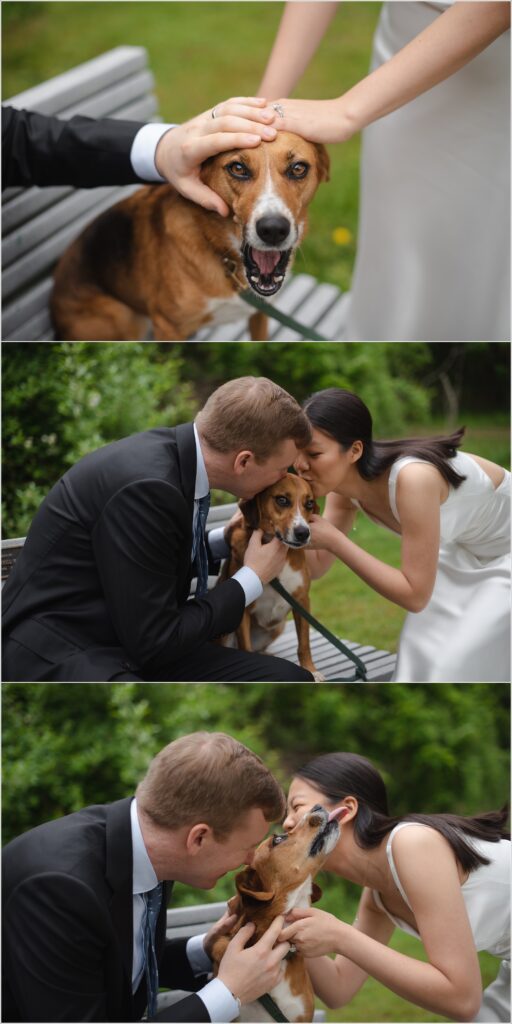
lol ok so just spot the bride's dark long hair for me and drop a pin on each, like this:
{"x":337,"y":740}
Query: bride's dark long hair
{"x":346,"y":418}
{"x":340,"y":775}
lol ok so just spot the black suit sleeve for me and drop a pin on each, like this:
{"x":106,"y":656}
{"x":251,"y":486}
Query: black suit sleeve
{"x":83,"y":152}
{"x":142,"y":550}
{"x":55,"y":959}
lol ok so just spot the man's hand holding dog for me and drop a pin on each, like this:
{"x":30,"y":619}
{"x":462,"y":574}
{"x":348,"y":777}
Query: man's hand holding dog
{"x":248,"y":973}
{"x":241,"y":122}
{"x":267,"y":560}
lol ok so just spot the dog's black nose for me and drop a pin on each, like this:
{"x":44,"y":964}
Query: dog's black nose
{"x":301,"y":533}
{"x":273,"y":229}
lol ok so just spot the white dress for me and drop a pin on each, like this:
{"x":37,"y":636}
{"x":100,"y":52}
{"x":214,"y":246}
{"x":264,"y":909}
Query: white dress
{"x":433,"y":259}
{"x":463,"y":634}
{"x":486,"y":894}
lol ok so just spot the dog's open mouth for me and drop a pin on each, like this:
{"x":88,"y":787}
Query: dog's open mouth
{"x":265,"y":269}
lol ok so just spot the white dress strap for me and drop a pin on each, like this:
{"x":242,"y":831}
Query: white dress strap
{"x":393,"y":476}
{"x":392,"y":865}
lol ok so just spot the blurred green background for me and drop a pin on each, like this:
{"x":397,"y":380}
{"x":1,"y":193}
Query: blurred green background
{"x":200,"y":54}
{"x":61,"y":400}
{"x":439,"y":748}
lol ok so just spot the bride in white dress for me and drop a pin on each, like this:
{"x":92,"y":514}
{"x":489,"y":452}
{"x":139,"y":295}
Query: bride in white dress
{"x":443,"y":878}
{"x":452,"y":511}
{"x":433,"y":253}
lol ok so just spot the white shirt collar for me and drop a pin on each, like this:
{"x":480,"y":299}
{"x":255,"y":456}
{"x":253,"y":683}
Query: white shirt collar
{"x":202,"y":482}
{"x":144,"y":877}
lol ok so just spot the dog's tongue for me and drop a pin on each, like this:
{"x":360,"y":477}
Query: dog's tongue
{"x":265,"y":261}
{"x":338,"y":813}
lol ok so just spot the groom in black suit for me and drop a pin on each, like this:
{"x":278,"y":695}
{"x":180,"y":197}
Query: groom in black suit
{"x":85,"y":896}
{"x":101,"y":588}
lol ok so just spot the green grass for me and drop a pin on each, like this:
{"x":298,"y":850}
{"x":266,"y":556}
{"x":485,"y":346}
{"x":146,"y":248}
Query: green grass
{"x":201,"y":53}
{"x":376,"y":1003}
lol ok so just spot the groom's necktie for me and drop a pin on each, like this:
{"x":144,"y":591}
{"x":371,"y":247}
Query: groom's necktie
{"x":199,"y":551}
{"x":153,"y":900}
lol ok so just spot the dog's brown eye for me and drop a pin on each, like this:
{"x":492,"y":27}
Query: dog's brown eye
{"x":282,"y":500}
{"x":238,"y":170}
{"x":298,"y":170}
{"x":310,"y":505}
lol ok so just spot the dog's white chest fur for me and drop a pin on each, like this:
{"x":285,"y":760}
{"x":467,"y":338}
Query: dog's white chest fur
{"x":227,"y":311}
{"x":270,"y":608}
{"x":292,"y":1006}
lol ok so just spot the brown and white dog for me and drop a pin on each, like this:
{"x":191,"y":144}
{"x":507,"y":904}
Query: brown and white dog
{"x":283,"y":510}
{"x":157,"y":256}
{"x":281,"y":878}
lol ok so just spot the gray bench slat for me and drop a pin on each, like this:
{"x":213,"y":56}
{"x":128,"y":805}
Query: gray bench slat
{"x":115,"y":98}
{"x":42,"y":257}
{"x":30,"y":235}
{"x":310,"y":311}
{"x":27,"y":307}
{"x":294,"y":292}
{"x":204,"y":914}
{"x":37,"y":328}
{"x":29,"y":203}
{"x":332,"y":325}
{"x":85,"y":80}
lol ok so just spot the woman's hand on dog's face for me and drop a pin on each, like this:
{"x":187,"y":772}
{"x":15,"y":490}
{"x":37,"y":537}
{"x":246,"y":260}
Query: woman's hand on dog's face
{"x":312,"y":932}
{"x":267,"y":560}
{"x":239,"y":123}
{"x":323,"y":533}
{"x":250,"y":972}
{"x":221,"y":927}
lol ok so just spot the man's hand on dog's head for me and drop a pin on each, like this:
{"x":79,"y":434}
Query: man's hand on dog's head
{"x":250,"y":972}
{"x":267,"y":560}
{"x":239,"y":123}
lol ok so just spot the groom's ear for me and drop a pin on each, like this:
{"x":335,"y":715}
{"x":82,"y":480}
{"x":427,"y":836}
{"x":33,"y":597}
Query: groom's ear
{"x":250,"y":511}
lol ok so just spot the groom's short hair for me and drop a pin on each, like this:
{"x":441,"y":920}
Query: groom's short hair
{"x":211,"y":778}
{"x":252,"y":413}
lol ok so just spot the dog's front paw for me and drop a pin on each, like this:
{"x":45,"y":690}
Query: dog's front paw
{"x":319,"y":678}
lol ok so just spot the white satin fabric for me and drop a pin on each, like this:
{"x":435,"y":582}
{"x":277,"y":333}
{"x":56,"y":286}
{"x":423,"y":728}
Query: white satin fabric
{"x":433,"y":257}
{"x":463,"y":635}
{"x":486,"y":894}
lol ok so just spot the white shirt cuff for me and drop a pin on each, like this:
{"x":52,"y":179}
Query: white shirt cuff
{"x":219,"y":1002}
{"x":197,"y":956}
{"x":142,"y":153}
{"x":218,"y":544}
{"x":250,"y":583}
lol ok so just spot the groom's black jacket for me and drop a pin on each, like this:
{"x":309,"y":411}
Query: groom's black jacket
{"x":102,"y":582}
{"x":67,"y":925}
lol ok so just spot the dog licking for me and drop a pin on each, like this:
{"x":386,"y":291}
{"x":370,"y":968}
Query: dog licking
{"x":280,"y":878}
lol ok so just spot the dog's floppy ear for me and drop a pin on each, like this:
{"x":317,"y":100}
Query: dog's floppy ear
{"x":250,"y":511}
{"x":250,"y":888}
{"x":324,"y":163}
{"x":316,"y":893}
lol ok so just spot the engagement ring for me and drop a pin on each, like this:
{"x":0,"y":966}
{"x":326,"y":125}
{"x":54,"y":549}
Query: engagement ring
{"x":214,"y":113}
{"x":278,"y":109}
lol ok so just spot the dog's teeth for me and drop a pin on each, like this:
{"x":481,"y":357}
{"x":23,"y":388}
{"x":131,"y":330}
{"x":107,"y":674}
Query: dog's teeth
{"x":279,"y":278}
{"x":254,"y":278}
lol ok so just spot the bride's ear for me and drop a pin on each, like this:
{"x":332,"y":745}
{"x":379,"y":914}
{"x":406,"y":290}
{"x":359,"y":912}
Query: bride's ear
{"x":356,"y":451}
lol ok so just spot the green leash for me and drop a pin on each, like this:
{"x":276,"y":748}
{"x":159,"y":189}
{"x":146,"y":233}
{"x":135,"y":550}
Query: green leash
{"x":264,"y":307}
{"x":276,"y":314}
{"x":272,"y":1008}
{"x":361,"y":669}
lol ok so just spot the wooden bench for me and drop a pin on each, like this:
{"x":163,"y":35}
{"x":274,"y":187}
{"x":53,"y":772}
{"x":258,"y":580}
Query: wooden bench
{"x":328,"y":660}
{"x":183,"y":922}
{"x":38,"y":224}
